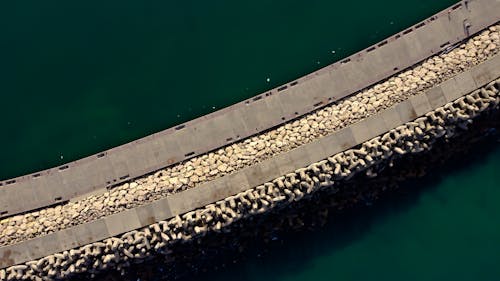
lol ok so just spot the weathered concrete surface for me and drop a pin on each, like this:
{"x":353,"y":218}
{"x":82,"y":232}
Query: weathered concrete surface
{"x":255,"y":175}
{"x":105,"y":169}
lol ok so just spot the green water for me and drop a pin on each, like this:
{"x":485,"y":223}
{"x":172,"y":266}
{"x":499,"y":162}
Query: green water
{"x":78,"y":77}
{"x":444,"y":227}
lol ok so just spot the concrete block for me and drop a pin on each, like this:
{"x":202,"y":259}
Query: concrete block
{"x":54,"y":186}
{"x":428,"y":36}
{"x":41,"y":246}
{"x":486,"y":72}
{"x":267,"y":116}
{"x":240,"y":128}
{"x":269,"y":170}
{"x":30,"y":249}
{"x":223,"y":128}
{"x":100,"y":174}
{"x":406,"y":111}
{"x":464,"y":83}
{"x":274,"y":103}
{"x":299,"y":158}
{"x":449,"y":90}
{"x":391,"y":59}
{"x":170,"y":149}
{"x":340,"y":86}
{"x":122,"y":222}
{"x":376,"y":125}
{"x":286,"y":100}
{"x":297,"y":101}
{"x":139,"y":154}
{"x":417,"y":46}
{"x":119,"y":161}
{"x":354,"y":74}
{"x":177,"y":203}
{"x":238,"y":182}
{"x":158,"y":150}
{"x":87,"y":177}
{"x":436,"y":97}
{"x":398,"y":52}
{"x":146,"y":154}
{"x":252,"y":122}
{"x":360,"y":131}
{"x":364,"y":74}
{"x":190,"y":199}
{"x":41,"y":191}
{"x":208,"y":194}
{"x":90,"y":232}
{"x":67,"y":239}
{"x":14,"y":254}
{"x":319,"y":88}
{"x":22,"y":195}
{"x":483,"y":13}
{"x":253,"y":175}
{"x":315,"y":150}
{"x":420,"y":104}
{"x":284,"y":163}
{"x":161,"y":210}
{"x":391,"y":117}
{"x":185,"y":140}
{"x":4,"y":202}
{"x":212,"y":134}
{"x":146,"y":214}
{"x":345,"y":138}
{"x":219,"y":190}
{"x":450,"y":33}
{"x":331,"y":144}
{"x":377,"y":65}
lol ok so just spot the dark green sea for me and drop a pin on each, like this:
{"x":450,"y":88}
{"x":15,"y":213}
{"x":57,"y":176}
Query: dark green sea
{"x":78,"y":77}
{"x":444,"y":226}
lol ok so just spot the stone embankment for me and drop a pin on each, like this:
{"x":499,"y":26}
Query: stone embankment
{"x":281,"y":139}
{"x":136,"y":246}
{"x":254,"y":235}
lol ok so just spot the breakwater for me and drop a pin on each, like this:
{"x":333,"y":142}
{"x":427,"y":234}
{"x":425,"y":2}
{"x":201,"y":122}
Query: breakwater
{"x":412,"y":137}
{"x":163,"y":202}
{"x":439,"y":33}
{"x":288,"y":239}
{"x":230,"y":159}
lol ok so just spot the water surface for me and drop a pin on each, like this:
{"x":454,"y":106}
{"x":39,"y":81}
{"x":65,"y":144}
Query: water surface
{"x":78,"y":77}
{"x":442,"y":227}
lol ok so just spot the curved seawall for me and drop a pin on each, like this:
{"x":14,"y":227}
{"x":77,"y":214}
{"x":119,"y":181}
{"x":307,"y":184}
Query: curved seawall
{"x":304,"y":95}
{"x":231,"y":159}
{"x":436,"y":98}
{"x":437,"y":113}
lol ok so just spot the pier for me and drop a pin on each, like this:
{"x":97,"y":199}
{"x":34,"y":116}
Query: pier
{"x":385,"y":130}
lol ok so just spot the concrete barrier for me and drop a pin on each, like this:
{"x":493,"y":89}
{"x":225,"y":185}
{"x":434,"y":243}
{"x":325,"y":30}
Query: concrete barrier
{"x":105,"y":169}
